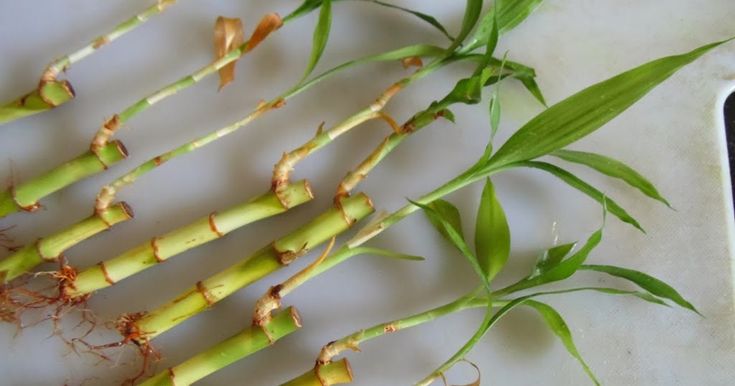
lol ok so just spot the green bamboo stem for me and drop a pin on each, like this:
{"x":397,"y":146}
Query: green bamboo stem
{"x":25,"y":196}
{"x":268,"y":259}
{"x":51,"y":92}
{"x":160,"y":249}
{"x":285,"y":165}
{"x":50,"y":248}
{"x":353,"y":341}
{"x":272,"y":299}
{"x":240,"y":345}
{"x":107,"y":194}
{"x":99,"y":151}
{"x":334,"y":373}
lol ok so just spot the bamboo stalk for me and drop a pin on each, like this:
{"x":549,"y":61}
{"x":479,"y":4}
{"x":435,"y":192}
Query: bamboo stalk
{"x":280,"y":183}
{"x":160,"y":249}
{"x":334,"y":373}
{"x":282,"y":170}
{"x":268,"y":259}
{"x":352,"y":341}
{"x":50,"y":248}
{"x":244,"y":343}
{"x":52,"y":92}
{"x":25,"y":196}
{"x":97,"y":158}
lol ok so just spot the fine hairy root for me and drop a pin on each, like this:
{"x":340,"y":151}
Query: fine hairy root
{"x":6,"y":241}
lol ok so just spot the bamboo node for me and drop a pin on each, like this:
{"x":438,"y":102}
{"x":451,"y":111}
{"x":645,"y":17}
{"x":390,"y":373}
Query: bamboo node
{"x":105,"y":196}
{"x":105,"y":273}
{"x":265,"y":306}
{"x":100,"y":41}
{"x":154,"y":249}
{"x":213,"y":224}
{"x":205,"y":294}
{"x":108,"y":129}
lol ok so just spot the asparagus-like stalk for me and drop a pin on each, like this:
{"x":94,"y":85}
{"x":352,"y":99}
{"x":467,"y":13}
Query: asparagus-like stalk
{"x":352,"y":341}
{"x":160,"y":249}
{"x":283,"y":168}
{"x":280,"y":184}
{"x":52,"y":92}
{"x":50,"y":248}
{"x":244,"y":343}
{"x":334,"y":373}
{"x":101,"y":154}
{"x":268,"y":259}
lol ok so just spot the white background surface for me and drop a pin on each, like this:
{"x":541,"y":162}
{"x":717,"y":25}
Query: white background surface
{"x":674,"y":136}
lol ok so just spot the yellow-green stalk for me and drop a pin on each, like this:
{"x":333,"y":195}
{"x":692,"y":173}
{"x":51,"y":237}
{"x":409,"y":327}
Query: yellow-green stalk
{"x":26,"y":196}
{"x":352,"y":341}
{"x":334,"y":373}
{"x":268,"y":259}
{"x":244,"y":343}
{"x":280,"y":184}
{"x":51,"y":248}
{"x":160,"y":249}
{"x":52,"y":92}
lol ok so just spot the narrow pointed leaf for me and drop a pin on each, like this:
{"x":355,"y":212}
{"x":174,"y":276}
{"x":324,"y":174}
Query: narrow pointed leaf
{"x":447,"y":213}
{"x":613,"y":168}
{"x":585,"y":188}
{"x":389,"y":253}
{"x":321,"y":35}
{"x":647,"y":282}
{"x":427,"y":18}
{"x":551,"y":257}
{"x":559,"y":327}
{"x":471,"y":15}
{"x":492,"y":234}
{"x":507,"y":14}
{"x":445,"y":218}
{"x":419,"y":50}
{"x":491,"y":319}
{"x":494,"y":115}
{"x":529,"y":82}
{"x":589,"y":109}
{"x":561,"y":271}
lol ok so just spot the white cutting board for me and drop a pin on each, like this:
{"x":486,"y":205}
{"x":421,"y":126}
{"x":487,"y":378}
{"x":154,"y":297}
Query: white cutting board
{"x":674,"y":136}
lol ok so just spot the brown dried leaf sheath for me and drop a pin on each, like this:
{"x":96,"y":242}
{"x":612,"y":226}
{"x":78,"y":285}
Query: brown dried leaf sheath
{"x":268,"y":24}
{"x":228,"y":35}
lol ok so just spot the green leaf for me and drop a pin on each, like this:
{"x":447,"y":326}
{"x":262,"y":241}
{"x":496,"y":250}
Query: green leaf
{"x":427,"y":18}
{"x":448,"y":213}
{"x":550,"y":258}
{"x":492,"y":234}
{"x":471,"y":15}
{"x":445,"y":218}
{"x":305,"y":7}
{"x":389,"y":253}
{"x":494,"y":115}
{"x":495,"y":104}
{"x":393,"y":55}
{"x":560,"y":271}
{"x":507,"y":14}
{"x":557,"y":324}
{"x":647,"y":282}
{"x":589,"y":109}
{"x":529,"y":82}
{"x":321,"y":35}
{"x":613,"y":168}
{"x":585,"y":188}
{"x":491,"y":319}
